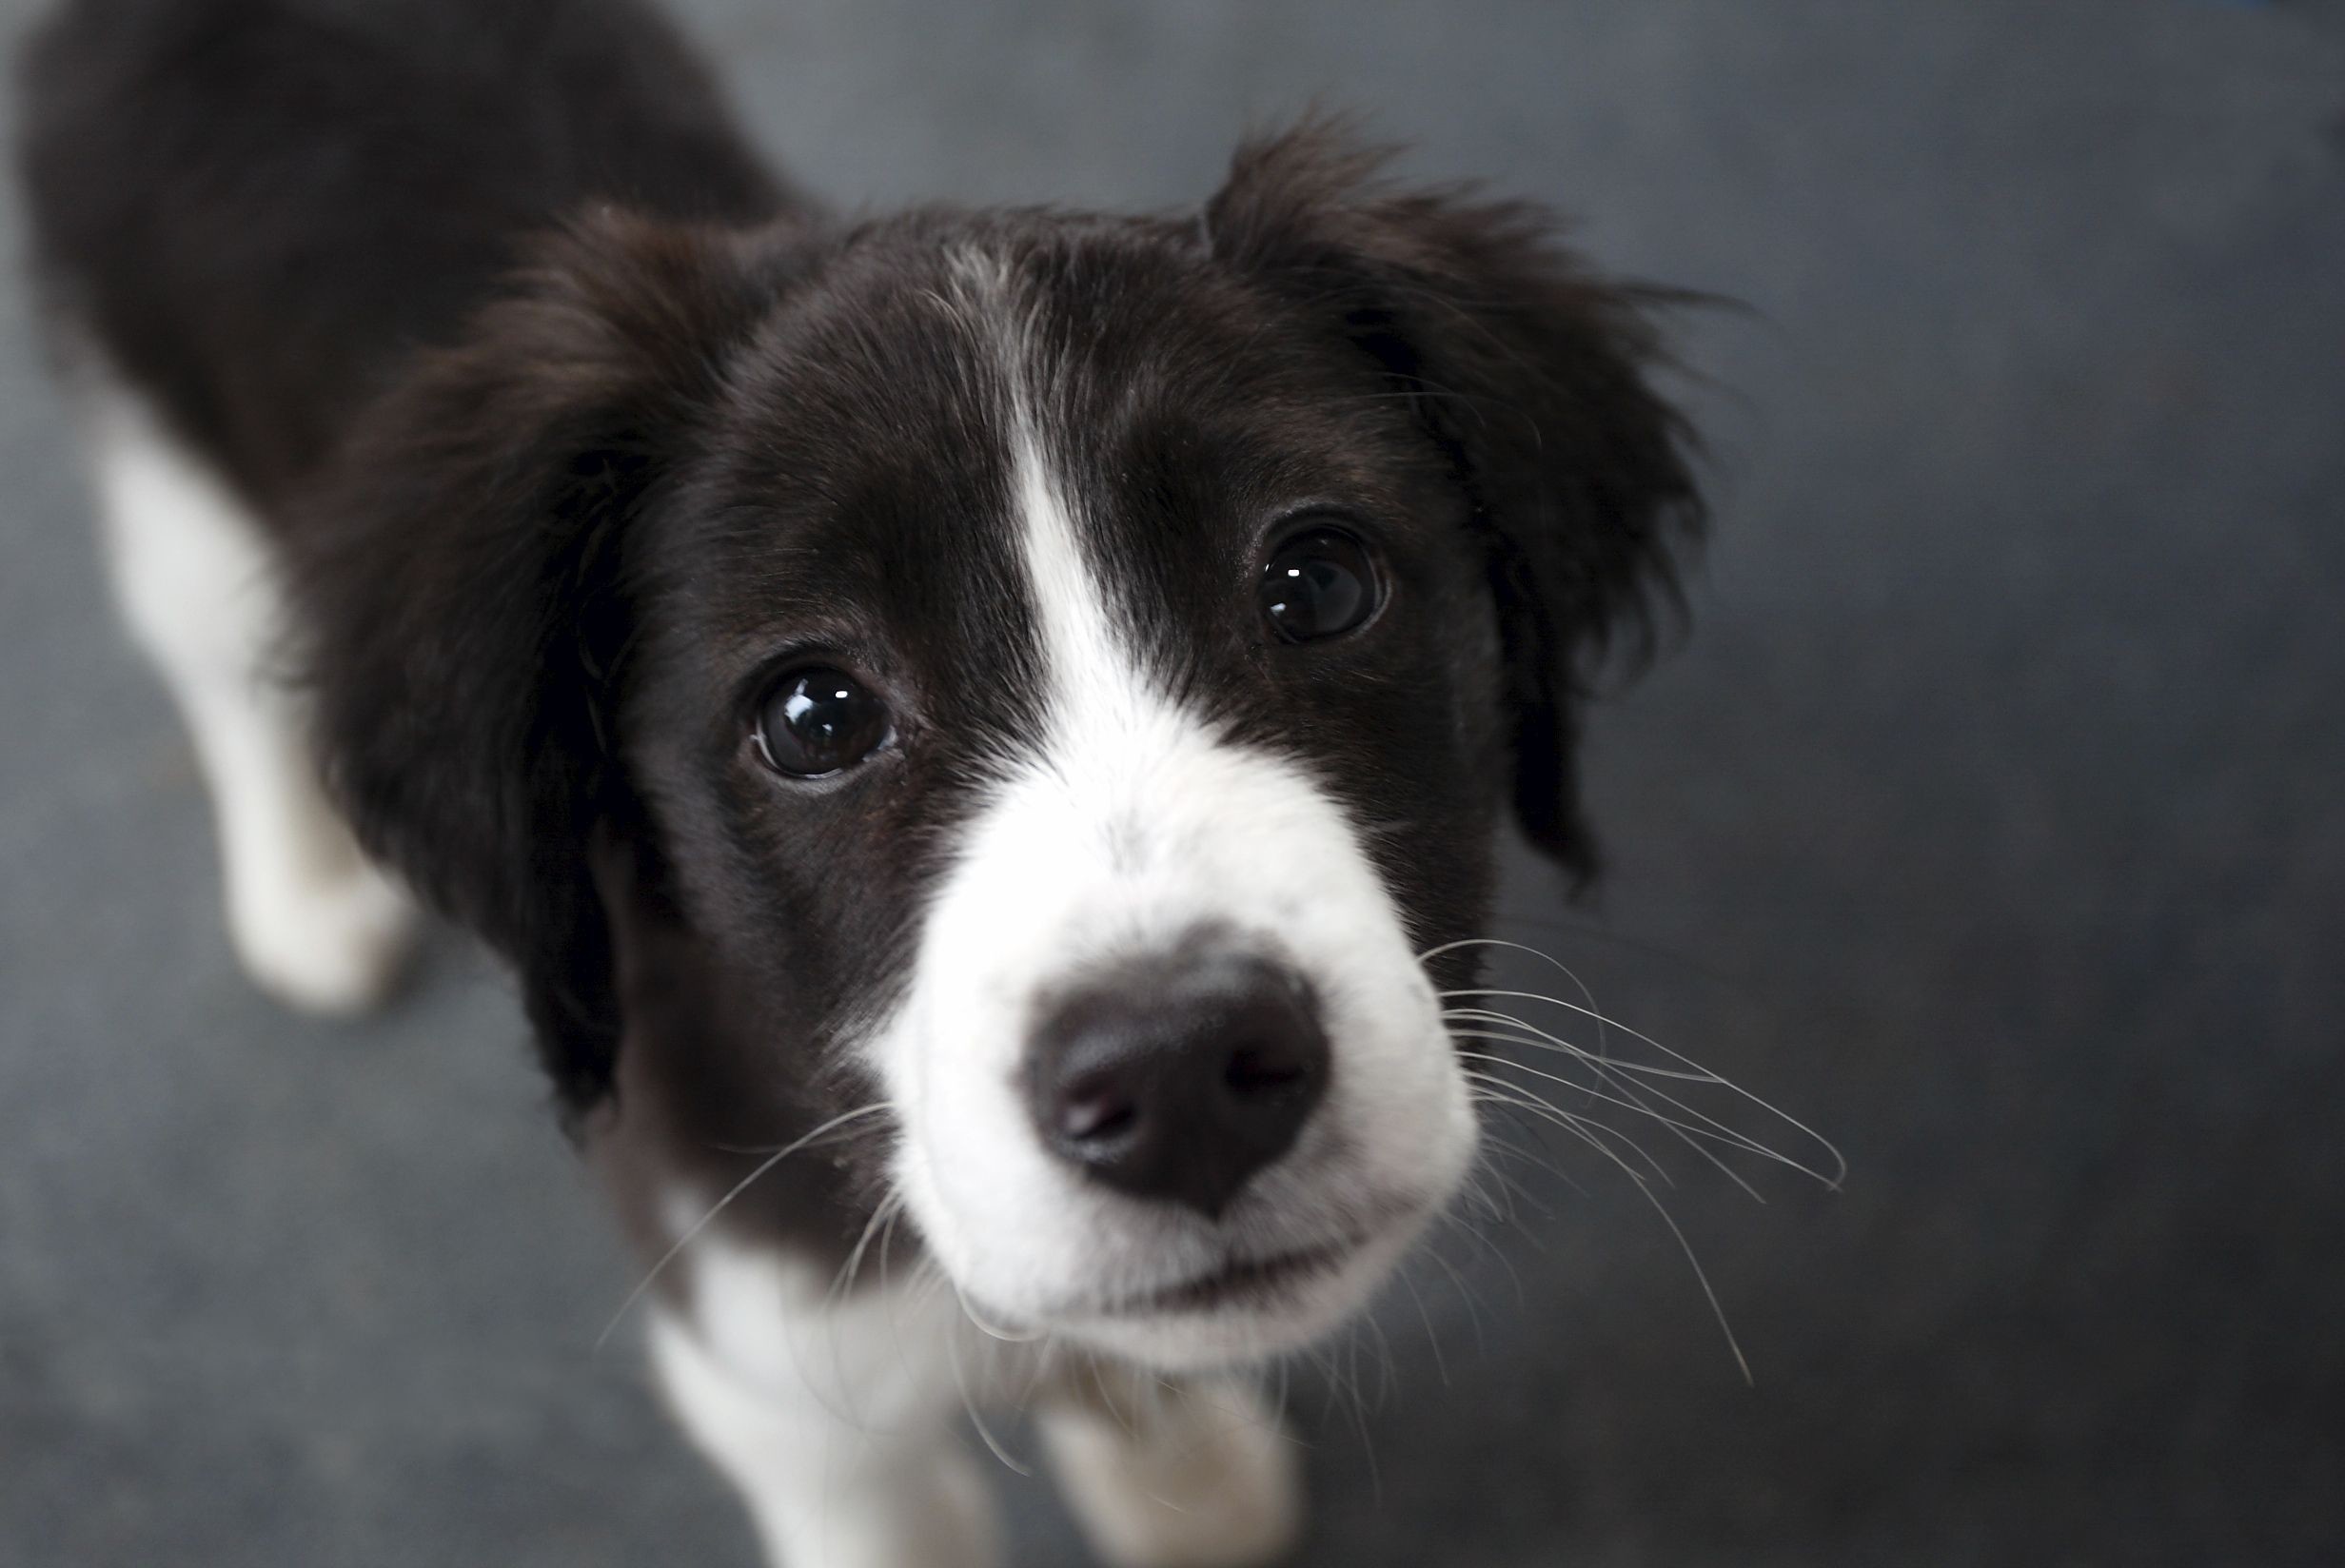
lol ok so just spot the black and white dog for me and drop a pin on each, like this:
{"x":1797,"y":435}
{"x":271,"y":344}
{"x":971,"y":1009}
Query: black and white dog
{"x":980,"y":733}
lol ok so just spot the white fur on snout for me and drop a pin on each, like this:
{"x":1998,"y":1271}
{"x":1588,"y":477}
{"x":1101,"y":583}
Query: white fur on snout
{"x":1129,"y":825}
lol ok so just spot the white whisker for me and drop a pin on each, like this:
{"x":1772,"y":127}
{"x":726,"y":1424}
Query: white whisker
{"x":1685,"y":1131}
{"x":1432,"y":1339}
{"x":882,"y":1215}
{"x":991,"y":1331}
{"x":1840,"y":1164}
{"x":1702,"y":1275}
{"x":1496,"y":1146}
{"x":1550,"y":1042}
{"x":1473,"y":1307}
{"x":718,"y":1206}
{"x":1605,"y":1069}
{"x":1694,"y":1138}
{"x":1496,"y":1252}
{"x":1581,"y":1127}
{"x":969,"y":1404}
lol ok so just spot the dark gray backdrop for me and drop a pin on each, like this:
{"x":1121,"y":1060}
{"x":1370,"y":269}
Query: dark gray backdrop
{"x":1991,"y":822}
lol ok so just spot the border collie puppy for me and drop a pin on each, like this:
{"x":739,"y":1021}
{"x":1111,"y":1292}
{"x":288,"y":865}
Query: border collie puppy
{"x":980,"y":734}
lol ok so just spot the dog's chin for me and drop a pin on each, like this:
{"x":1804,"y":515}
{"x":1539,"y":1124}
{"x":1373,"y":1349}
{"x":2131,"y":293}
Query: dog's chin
{"x":1243,"y":1313}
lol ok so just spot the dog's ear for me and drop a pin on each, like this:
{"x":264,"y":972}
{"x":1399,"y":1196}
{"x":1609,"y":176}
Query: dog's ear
{"x":1532,"y":373}
{"x":465,"y":567}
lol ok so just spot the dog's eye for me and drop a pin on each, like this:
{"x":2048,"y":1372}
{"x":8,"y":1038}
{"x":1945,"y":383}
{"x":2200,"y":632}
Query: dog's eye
{"x":1319,"y":584}
{"x":818,"y":720}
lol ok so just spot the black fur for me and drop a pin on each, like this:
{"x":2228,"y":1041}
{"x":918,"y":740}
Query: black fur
{"x":1531,"y":373}
{"x":257,"y":208}
{"x":574,"y":424}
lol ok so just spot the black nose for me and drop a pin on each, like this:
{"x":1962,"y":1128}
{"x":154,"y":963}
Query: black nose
{"x":1179,"y":1080}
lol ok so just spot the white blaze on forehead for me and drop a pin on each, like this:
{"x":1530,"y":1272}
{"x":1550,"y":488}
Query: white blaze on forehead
{"x":1092,"y":670}
{"x":1112,"y":738}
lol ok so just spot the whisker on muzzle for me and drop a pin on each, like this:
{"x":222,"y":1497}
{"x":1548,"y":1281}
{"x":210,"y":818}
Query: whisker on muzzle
{"x":1580,"y":1128}
{"x":1630,"y":1101}
{"x":693,"y":1231}
{"x":1656,"y":1090}
{"x":1685,"y":1069}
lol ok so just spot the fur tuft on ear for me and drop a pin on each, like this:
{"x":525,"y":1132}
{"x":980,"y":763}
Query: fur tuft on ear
{"x":461,"y":568}
{"x":1533,"y":373}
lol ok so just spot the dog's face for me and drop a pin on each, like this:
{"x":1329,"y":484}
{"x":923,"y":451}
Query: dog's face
{"x":1063,"y":674}
{"x":1080,"y":685}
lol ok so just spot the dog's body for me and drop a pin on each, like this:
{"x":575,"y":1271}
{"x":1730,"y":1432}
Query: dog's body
{"x":980,"y":734}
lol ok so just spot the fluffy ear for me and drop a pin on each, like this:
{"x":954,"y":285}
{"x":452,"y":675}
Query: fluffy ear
{"x":463,"y":570}
{"x":1531,"y":372}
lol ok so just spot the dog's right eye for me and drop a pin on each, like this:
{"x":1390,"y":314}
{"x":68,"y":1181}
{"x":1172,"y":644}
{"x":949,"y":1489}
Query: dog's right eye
{"x":818,"y":720}
{"x":1320,"y":583}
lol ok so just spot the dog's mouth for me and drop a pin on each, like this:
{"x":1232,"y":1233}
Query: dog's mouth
{"x":1240,"y":1282}
{"x":1233,"y":1303}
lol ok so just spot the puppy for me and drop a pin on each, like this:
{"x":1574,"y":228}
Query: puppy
{"x":980,"y":734}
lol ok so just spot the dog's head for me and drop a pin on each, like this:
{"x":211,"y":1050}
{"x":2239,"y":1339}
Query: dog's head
{"x":1058,"y":677}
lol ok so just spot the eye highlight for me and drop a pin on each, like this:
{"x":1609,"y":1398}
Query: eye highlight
{"x":817,"y":720}
{"x":1319,"y":582}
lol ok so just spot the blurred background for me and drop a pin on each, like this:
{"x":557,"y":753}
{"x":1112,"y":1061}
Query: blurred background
{"x":1991,"y":821}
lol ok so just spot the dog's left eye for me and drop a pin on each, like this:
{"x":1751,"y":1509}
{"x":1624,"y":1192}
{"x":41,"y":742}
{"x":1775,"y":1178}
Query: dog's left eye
{"x":1319,"y":584}
{"x":819,"y":720}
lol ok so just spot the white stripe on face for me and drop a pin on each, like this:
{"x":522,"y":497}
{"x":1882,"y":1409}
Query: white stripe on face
{"x":1130,"y":826}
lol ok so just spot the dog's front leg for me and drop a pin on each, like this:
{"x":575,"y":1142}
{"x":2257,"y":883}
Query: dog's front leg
{"x":1164,"y":1473}
{"x":842,"y":1465}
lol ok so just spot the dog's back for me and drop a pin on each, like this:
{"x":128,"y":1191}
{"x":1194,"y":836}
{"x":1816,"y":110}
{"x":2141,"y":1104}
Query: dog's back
{"x":248,"y":216}
{"x":247,"y":209}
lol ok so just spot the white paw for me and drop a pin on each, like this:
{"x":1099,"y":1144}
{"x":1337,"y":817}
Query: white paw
{"x":941,"y":1519}
{"x":1200,"y":1475}
{"x":885,"y":1487}
{"x":336,"y":946}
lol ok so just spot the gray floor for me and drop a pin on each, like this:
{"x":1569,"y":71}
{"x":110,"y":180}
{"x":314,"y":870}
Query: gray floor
{"x":1993,"y":821}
